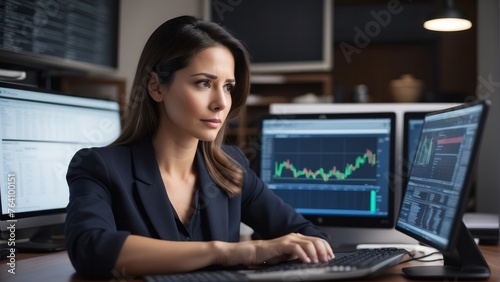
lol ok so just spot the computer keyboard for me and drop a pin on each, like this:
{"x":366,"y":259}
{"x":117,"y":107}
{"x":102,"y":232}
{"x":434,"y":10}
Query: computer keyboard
{"x":361,"y":263}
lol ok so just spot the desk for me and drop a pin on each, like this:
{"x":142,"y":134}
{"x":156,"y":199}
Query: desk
{"x":57,"y":267}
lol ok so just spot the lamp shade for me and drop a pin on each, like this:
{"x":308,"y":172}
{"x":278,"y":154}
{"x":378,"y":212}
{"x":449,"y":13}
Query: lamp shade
{"x":448,"y":18}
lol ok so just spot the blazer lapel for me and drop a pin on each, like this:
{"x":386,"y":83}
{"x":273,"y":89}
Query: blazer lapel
{"x":213,"y":202}
{"x":151,"y":190}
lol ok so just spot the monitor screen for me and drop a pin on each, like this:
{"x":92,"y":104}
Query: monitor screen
{"x":439,"y":184}
{"x":40,"y":132}
{"x":332,"y":168}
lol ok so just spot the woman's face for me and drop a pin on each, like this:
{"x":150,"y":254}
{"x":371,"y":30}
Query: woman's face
{"x":198,"y":100}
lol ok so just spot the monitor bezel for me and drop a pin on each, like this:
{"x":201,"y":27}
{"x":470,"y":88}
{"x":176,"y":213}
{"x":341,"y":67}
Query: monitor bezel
{"x":383,"y":222}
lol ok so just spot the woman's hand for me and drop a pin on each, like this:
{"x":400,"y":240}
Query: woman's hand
{"x":142,"y":256}
{"x":292,"y":246}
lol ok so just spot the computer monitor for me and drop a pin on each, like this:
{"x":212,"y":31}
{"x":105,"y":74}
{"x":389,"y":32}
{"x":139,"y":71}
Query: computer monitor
{"x":292,"y":37}
{"x":335,"y":169}
{"x":40,"y":132}
{"x":438,"y":189}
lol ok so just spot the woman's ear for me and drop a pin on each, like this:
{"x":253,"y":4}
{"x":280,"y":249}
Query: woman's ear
{"x":154,"y":87}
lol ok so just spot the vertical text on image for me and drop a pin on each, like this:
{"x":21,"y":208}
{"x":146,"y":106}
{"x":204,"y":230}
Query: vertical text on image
{"x":11,"y":204}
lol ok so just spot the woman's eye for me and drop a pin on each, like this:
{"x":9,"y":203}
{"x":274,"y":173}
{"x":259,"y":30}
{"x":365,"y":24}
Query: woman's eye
{"x":203,"y":84}
{"x":229,"y":87}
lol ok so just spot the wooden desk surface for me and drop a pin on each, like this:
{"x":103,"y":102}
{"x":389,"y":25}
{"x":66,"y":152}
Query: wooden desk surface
{"x":57,"y":267}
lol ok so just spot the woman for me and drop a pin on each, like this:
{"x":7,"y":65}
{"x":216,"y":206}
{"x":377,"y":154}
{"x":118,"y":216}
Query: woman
{"x":166,"y":196}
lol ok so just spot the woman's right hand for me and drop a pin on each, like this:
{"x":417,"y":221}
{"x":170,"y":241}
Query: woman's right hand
{"x":308,"y":249}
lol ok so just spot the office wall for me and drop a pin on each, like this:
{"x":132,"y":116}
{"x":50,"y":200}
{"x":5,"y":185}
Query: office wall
{"x":488,"y":87}
{"x":138,"y":19}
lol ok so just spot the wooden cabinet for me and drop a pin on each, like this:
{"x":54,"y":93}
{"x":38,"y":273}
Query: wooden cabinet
{"x":281,"y":88}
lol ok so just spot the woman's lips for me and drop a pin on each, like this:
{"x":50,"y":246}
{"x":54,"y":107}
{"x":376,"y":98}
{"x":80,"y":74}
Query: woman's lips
{"x":212,"y":123}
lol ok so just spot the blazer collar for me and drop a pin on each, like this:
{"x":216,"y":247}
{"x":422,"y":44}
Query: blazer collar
{"x":213,"y":203}
{"x":145,"y":166}
{"x":151,"y":190}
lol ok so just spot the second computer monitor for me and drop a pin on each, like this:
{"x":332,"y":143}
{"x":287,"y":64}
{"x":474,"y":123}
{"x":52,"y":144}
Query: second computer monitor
{"x":335,"y":169}
{"x":438,"y":189}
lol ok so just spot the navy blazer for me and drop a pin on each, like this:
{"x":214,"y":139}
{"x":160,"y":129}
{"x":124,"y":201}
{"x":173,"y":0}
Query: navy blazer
{"x":118,"y":190}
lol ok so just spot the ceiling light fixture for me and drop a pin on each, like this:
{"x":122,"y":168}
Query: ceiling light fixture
{"x":448,"y":18}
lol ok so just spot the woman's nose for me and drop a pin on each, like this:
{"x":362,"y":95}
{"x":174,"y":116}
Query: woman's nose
{"x":219,"y":101}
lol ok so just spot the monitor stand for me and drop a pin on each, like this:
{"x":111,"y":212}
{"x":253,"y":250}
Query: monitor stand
{"x":41,"y":245}
{"x":465,"y":262}
{"x":46,"y":239}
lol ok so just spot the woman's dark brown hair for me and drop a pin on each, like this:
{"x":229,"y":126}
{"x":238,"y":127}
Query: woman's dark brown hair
{"x":170,"y":48}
